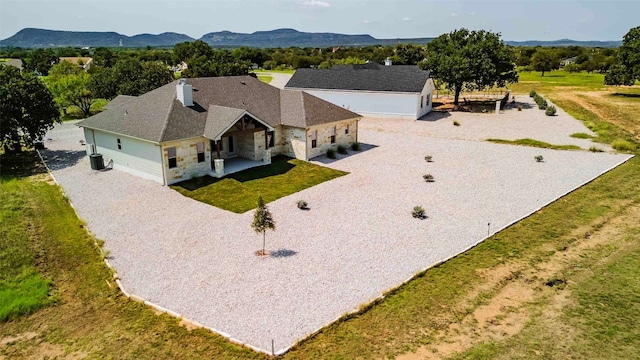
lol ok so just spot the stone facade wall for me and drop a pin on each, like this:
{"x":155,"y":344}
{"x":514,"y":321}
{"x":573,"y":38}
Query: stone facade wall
{"x":187,"y":160}
{"x":294,"y":143}
{"x":324,"y":136}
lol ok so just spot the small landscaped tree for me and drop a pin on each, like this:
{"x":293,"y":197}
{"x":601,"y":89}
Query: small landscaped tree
{"x":263,"y":221}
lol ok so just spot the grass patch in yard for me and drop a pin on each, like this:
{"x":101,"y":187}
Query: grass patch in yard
{"x":239,"y":192}
{"x":535,"y":143}
{"x":581,"y":136}
{"x":22,"y":289}
{"x":265,"y":78}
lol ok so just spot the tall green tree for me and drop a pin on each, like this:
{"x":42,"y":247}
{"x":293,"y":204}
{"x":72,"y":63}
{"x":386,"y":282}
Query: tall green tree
{"x":263,"y":221}
{"x":130,"y":77}
{"x":40,"y":61}
{"x":544,"y":60}
{"x":626,"y":68}
{"x":470,"y":60}
{"x":70,"y":85}
{"x":27,"y":109}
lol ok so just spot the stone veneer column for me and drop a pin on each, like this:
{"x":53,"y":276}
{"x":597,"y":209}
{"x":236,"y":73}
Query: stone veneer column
{"x":266,"y":158}
{"x":218,"y":165}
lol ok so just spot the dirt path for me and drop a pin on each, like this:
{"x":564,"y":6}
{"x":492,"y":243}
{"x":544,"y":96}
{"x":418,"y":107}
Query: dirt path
{"x":516,"y":290}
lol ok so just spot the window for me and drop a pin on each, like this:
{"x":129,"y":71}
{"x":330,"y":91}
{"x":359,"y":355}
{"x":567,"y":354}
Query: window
{"x":333,"y":135}
{"x":173,"y":160}
{"x":200,"y":149}
{"x":271,"y":139}
{"x":314,"y":138}
{"x":346,"y":131}
{"x":119,"y":145}
{"x":428,"y":99}
{"x":421,"y":101}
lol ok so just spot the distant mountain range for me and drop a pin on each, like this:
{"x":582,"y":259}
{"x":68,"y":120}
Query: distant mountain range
{"x":41,"y":38}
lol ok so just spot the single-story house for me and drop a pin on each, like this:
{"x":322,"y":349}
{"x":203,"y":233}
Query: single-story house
{"x":13,"y":62}
{"x":371,"y":88}
{"x":191,"y":126}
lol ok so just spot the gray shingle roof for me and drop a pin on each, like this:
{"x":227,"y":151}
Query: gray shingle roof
{"x":118,"y":101}
{"x":367,"y":77}
{"x":158,"y":116}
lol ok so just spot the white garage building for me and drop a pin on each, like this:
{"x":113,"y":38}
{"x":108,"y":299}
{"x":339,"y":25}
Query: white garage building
{"x":371,"y":88}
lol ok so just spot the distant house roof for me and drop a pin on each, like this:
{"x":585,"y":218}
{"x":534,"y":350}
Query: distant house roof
{"x":367,"y":77}
{"x":158,"y":116}
{"x":13,"y":62}
{"x":77,"y":59}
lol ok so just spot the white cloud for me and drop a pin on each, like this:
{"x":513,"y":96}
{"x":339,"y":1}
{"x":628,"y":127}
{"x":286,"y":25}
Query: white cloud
{"x":366,"y":22}
{"x":472,"y":13}
{"x":317,"y":3}
{"x":406,"y":19}
{"x":454,"y":14}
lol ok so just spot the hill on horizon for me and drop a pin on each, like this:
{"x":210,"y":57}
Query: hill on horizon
{"x":42,"y":38}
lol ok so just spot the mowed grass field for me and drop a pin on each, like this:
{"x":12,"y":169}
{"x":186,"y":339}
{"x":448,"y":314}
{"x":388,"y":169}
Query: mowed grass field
{"x":560,"y":284}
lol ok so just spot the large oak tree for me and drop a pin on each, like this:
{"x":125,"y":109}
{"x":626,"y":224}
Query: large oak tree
{"x":27,"y":109}
{"x":626,"y":69}
{"x":470,"y":60}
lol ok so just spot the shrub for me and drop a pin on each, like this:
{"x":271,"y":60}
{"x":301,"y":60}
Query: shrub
{"x":355,"y":146}
{"x":623,"y":145}
{"x":538,"y":158}
{"x":302,"y":205}
{"x":532,"y":93}
{"x":428,"y":158}
{"x":342,"y":149}
{"x":595,"y":149}
{"x":551,"y":110}
{"x":331,"y":153}
{"x":456,"y":123}
{"x":418,"y":212}
{"x":542,"y":105}
{"x":428,"y":178}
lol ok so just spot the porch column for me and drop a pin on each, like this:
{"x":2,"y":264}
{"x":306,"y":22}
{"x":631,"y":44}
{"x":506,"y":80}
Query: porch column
{"x":218,"y":165}
{"x":218,"y":148}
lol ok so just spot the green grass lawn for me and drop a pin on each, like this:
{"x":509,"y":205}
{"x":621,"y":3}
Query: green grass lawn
{"x":283,"y":71}
{"x":23,"y":290}
{"x":239,"y":192}
{"x":74,"y":112}
{"x":265,"y":78}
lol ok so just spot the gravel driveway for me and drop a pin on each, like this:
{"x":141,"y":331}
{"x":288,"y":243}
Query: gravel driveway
{"x":357,"y":240}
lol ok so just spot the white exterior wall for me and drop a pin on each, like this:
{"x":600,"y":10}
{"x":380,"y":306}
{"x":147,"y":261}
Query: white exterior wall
{"x":372,"y":103}
{"x":426,"y":96}
{"x":137,"y":157}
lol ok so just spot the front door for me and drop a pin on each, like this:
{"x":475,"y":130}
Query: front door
{"x":231,"y":146}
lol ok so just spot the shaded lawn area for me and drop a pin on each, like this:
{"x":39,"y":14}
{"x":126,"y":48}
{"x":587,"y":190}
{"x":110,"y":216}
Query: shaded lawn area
{"x":239,"y":192}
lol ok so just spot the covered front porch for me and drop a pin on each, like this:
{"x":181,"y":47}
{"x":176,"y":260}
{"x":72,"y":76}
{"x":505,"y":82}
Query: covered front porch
{"x":239,"y":140}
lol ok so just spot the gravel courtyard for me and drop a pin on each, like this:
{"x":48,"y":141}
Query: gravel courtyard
{"x":357,"y":240}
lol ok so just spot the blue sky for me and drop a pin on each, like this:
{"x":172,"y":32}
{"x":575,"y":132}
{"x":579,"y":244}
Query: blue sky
{"x":515,"y":19}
